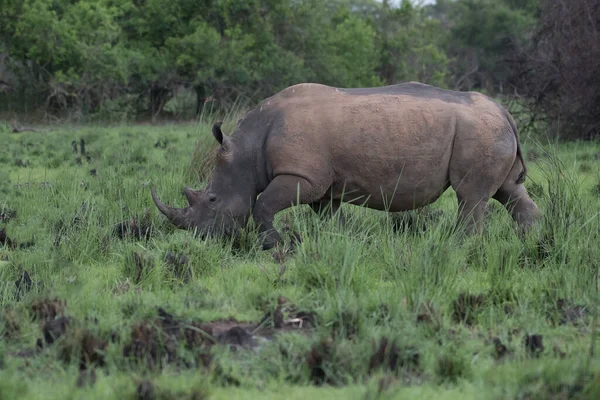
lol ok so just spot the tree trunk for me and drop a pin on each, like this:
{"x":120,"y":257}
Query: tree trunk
{"x":158,"y":97}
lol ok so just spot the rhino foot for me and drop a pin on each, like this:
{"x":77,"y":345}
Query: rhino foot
{"x":273,"y":239}
{"x":270,"y":239}
{"x":268,"y":245}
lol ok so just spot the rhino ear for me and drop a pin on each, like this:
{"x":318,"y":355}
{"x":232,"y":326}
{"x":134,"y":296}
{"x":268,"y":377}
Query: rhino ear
{"x":218,"y":134}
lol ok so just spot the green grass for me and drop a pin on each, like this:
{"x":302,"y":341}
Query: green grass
{"x":364,"y":281}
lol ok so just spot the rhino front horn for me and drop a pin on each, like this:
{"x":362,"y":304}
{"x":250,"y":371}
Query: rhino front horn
{"x":175,"y":215}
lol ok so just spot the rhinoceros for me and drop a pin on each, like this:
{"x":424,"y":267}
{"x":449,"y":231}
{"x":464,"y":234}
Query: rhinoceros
{"x":392,"y":148}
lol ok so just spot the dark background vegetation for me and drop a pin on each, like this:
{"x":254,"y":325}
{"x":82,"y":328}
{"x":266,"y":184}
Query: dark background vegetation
{"x":123,"y":60}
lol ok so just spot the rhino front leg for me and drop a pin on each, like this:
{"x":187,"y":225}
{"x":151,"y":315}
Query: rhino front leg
{"x":283,"y":192}
{"x":471,"y":212}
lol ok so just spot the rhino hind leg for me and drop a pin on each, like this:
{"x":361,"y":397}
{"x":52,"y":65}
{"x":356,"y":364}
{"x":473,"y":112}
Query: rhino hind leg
{"x":283,"y":191}
{"x":482,"y":165}
{"x":519,"y":204}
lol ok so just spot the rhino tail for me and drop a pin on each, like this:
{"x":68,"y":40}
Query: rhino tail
{"x":513,"y":126}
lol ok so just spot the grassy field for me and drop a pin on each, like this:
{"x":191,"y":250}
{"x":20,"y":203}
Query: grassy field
{"x":102,"y":298}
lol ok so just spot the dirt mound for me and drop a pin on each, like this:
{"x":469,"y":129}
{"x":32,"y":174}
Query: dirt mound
{"x":11,"y":244}
{"x":533,"y":345}
{"x":149,"y":345}
{"x":161,"y":144}
{"x":7,"y":214}
{"x":23,"y":283}
{"x":566,"y":312}
{"x":9,"y":324}
{"x":319,"y":355}
{"x":74,"y":342}
{"x":285,"y":318}
{"x":142,"y":263}
{"x":346,"y":325}
{"x":427,"y":314}
{"x":53,"y":329}
{"x":178,"y":264}
{"x":390,"y":357}
{"x":501,"y":351}
{"x":81,"y":345}
{"x":466,"y":307}
{"x":134,"y":228}
{"x":146,"y":390}
{"x":86,"y":377}
{"x":155,"y":341}
{"x":48,"y":309}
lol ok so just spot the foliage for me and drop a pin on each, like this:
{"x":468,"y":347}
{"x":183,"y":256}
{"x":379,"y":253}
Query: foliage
{"x":142,"y":54}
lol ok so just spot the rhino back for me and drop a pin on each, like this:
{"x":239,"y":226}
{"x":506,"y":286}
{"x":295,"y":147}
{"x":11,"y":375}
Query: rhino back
{"x":412,"y":89}
{"x":415,"y":90}
{"x":392,"y":139}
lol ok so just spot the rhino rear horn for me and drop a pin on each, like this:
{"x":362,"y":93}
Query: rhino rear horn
{"x":193,"y":196}
{"x":175,"y":215}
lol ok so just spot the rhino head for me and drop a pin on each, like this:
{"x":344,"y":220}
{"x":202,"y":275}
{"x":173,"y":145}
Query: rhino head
{"x":225,"y":205}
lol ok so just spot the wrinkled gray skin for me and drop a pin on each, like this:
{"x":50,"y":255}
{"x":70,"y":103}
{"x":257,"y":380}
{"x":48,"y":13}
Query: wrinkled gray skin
{"x":393,"y":148}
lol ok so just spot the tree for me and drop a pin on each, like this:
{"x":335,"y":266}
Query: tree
{"x":559,"y":72}
{"x":411,"y":46}
{"x":481,"y":34}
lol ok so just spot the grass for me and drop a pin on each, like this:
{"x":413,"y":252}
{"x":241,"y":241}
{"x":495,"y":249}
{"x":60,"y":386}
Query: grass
{"x":401,"y":307}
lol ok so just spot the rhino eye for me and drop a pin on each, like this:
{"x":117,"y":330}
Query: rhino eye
{"x":212,"y":198}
